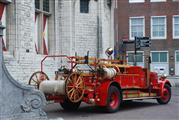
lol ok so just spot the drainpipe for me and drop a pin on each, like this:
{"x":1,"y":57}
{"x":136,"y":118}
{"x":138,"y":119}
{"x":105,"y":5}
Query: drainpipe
{"x":16,"y":52}
{"x":99,"y":32}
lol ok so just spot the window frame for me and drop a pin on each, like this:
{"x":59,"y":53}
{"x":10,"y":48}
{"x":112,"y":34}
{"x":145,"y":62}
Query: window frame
{"x":41,"y":13}
{"x":130,"y":30}
{"x":173,"y":25}
{"x":158,"y":0}
{"x":165,"y":28}
{"x":137,"y":1}
{"x":133,"y":53}
{"x":159,"y":56}
{"x":177,"y":51}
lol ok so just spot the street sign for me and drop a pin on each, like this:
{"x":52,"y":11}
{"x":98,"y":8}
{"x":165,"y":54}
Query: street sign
{"x":145,"y":42}
{"x":142,"y":42}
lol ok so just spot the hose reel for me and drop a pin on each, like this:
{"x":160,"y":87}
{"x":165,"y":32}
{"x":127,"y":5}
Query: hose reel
{"x":72,"y":87}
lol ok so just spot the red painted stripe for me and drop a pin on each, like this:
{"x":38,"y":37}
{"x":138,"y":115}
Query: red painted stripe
{"x":2,"y":6}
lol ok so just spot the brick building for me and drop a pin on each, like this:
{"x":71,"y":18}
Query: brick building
{"x":35,"y":28}
{"x":157,"y":19}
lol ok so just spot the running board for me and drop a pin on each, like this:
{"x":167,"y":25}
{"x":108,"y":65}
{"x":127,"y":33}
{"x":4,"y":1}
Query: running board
{"x":141,"y":98}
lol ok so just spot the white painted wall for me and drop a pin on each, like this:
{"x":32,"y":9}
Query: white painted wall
{"x":73,"y":32}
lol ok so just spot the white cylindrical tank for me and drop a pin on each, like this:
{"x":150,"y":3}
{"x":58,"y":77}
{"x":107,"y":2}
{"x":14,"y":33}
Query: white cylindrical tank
{"x":53,"y":87}
{"x":109,"y":72}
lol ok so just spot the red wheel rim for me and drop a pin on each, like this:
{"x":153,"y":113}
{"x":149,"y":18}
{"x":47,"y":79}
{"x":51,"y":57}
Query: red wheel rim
{"x":114,"y":100}
{"x":166,"y":95}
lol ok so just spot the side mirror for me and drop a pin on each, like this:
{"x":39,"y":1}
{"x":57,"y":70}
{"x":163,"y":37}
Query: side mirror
{"x":109,"y":52}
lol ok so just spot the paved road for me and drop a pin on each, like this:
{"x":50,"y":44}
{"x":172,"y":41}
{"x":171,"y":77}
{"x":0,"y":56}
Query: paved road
{"x":137,"y":110}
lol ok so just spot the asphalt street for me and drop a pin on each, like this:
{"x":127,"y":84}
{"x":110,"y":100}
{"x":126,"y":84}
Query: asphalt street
{"x":137,"y":110}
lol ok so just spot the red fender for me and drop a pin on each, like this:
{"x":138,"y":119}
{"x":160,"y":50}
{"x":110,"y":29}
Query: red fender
{"x":102,"y":92}
{"x":162,"y":84}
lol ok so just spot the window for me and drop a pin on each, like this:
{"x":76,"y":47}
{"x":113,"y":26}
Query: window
{"x":84,"y":6}
{"x":46,"y":5}
{"x":175,"y":26}
{"x":177,"y":56}
{"x":37,"y":4}
{"x":159,"y":57}
{"x":136,"y":1}
{"x":41,"y":38}
{"x":139,"y":57}
{"x":158,"y":27}
{"x":136,"y":27}
{"x":157,"y":0}
{"x":3,"y":20}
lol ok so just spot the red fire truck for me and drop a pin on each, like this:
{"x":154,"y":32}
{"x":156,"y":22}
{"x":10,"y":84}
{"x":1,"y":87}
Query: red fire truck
{"x":103,"y":82}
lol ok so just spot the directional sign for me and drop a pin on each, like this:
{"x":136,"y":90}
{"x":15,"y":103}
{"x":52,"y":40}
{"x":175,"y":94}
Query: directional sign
{"x":142,"y":42}
{"x":145,"y":42}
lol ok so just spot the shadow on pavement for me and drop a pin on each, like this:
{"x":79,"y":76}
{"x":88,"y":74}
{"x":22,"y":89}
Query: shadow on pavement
{"x":129,"y":105}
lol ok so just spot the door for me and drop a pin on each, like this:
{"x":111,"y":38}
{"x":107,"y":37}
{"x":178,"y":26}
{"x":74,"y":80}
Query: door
{"x":160,"y":62}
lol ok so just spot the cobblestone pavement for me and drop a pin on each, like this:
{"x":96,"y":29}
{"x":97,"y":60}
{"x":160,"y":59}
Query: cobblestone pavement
{"x":137,"y":110}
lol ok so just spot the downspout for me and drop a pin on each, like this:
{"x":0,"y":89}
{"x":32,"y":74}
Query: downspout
{"x":16,"y":54}
{"x":99,"y":34}
{"x":73,"y":26}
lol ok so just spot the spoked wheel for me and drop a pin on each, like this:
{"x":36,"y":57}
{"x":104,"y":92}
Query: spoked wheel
{"x":36,"y":78}
{"x":114,"y":99}
{"x":74,"y":87}
{"x":166,"y":95}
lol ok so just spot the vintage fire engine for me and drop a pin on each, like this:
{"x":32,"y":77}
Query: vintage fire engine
{"x":103,"y":82}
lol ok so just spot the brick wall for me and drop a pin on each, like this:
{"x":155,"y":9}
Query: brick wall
{"x":148,"y":9}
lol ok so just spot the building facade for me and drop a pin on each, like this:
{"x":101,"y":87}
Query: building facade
{"x":36,"y":28}
{"x":157,"y":19}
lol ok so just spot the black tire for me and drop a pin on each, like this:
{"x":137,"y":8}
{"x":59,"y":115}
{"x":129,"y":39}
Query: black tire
{"x":114,"y":100}
{"x":167,"y":97}
{"x":70,"y":106}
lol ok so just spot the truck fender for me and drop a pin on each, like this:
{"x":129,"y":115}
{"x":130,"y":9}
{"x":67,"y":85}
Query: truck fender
{"x":102,"y":91}
{"x":163,"y":83}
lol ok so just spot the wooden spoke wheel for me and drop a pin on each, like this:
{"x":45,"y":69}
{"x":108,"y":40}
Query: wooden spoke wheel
{"x":36,"y":78}
{"x":74,"y":87}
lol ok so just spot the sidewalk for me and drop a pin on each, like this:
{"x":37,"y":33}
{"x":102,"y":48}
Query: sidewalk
{"x":174,"y":80}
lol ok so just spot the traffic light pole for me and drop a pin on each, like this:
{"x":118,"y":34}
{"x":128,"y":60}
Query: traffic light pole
{"x":135,"y":52}
{"x":140,"y":42}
